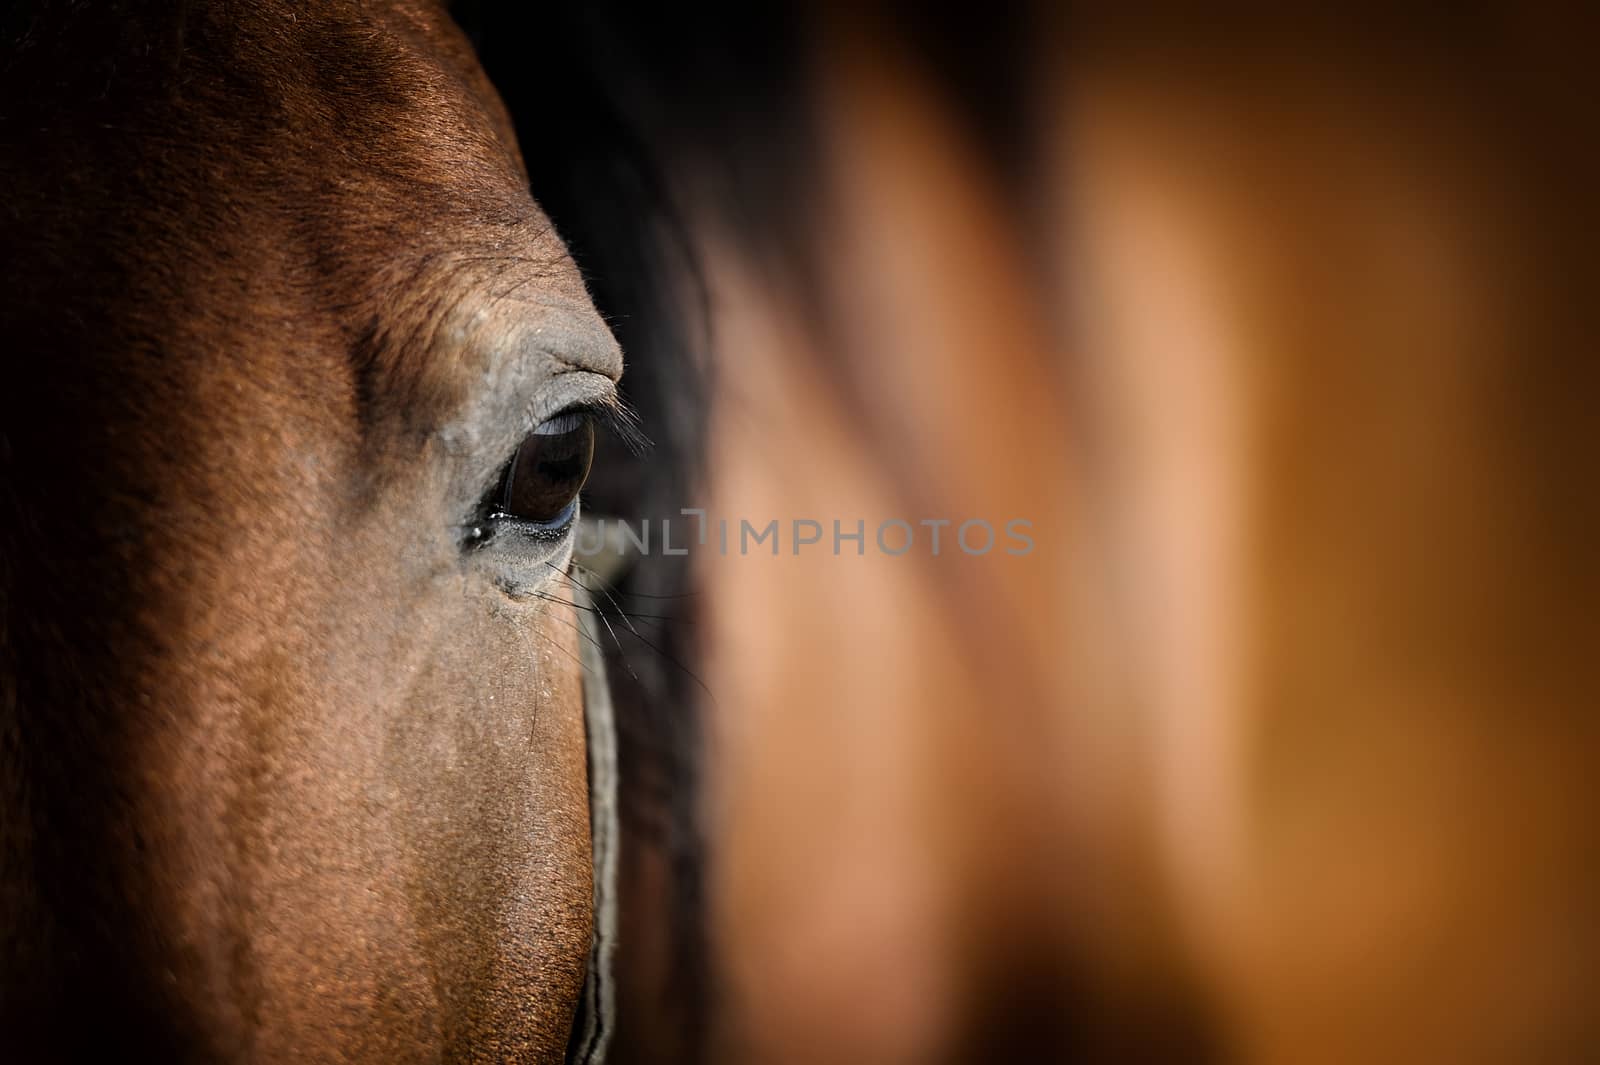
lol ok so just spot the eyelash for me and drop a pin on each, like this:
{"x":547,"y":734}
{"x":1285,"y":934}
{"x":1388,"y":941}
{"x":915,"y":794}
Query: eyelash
{"x":612,"y":416}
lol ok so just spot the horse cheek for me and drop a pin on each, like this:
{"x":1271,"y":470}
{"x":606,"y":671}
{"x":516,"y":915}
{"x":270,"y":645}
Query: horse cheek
{"x":499,"y":867}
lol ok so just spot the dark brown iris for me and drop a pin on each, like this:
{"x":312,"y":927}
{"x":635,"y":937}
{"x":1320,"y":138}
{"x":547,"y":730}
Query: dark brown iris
{"x":548,"y":470}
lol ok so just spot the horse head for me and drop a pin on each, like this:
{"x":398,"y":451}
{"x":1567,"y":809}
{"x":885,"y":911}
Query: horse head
{"x":290,"y":700}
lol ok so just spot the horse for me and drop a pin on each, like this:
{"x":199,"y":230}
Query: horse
{"x":1273,"y":748}
{"x":1278,"y":745}
{"x":300,"y":390}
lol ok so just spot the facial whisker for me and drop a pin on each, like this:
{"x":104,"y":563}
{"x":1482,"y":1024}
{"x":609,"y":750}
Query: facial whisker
{"x":604,"y":621}
{"x":576,"y":658}
{"x":657,"y":649}
{"x":611,"y":592}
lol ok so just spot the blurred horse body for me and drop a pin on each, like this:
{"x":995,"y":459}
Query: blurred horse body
{"x":1279,"y":746}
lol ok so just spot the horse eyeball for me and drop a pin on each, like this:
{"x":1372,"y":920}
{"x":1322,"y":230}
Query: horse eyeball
{"x":549,"y":468}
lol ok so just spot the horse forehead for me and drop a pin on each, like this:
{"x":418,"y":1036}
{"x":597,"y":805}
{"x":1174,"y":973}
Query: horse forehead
{"x":383,"y":101}
{"x":391,"y":90}
{"x":380,"y":136}
{"x":423,"y":215}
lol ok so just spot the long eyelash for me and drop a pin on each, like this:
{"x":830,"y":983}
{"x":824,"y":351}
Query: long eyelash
{"x":615,"y":416}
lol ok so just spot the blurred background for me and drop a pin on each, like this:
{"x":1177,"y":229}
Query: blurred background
{"x":1278,"y":744}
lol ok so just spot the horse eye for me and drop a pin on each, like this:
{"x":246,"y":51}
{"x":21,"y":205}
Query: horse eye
{"x":549,"y":468}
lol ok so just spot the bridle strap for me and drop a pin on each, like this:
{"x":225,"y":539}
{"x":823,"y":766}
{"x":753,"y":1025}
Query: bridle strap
{"x":597,"y":1014}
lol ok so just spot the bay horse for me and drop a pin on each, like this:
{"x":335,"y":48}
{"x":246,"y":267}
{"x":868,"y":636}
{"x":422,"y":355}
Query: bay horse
{"x":1278,"y":748}
{"x":300,"y":387}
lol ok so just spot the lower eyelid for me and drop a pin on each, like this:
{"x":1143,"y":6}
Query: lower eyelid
{"x":559,"y":523}
{"x":521,"y":558}
{"x":483,"y":534}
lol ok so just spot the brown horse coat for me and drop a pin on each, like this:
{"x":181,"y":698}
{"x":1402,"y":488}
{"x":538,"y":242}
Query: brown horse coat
{"x":285,"y":775}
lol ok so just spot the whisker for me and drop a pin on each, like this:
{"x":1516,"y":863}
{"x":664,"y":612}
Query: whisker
{"x":571,"y":624}
{"x":601,"y":615}
{"x":685,"y":670}
{"x":552,"y":644}
{"x":658,"y":620}
{"x":573,"y":581}
{"x":594,"y":574}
